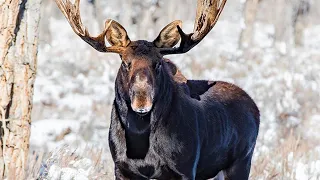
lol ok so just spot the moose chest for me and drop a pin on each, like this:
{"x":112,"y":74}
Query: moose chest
{"x":138,"y":156}
{"x":150,"y":167}
{"x":153,"y":165}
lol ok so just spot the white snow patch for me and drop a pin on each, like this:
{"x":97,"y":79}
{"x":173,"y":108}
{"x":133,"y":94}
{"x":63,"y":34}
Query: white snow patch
{"x":43,"y":132}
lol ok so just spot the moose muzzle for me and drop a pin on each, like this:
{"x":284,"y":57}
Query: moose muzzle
{"x":142,"y":93}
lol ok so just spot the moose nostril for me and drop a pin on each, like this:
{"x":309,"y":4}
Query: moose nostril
{"x":142,"y":111}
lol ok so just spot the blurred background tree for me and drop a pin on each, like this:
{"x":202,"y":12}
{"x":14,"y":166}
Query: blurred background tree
{"x":289,"y":18}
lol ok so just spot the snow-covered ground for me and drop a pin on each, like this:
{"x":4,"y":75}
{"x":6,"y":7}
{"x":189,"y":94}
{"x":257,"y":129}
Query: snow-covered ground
{"x":74,"y":91}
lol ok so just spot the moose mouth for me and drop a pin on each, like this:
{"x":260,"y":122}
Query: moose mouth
{"x":142,"y":114}
{"x":142,"y":111}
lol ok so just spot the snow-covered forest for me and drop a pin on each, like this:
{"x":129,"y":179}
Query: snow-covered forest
{"x":270,"y":48}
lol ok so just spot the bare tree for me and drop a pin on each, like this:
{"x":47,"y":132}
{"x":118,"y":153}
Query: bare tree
{"x":19,"y":21}
{"x":301,"y":11}
{"x":288,"y":18}
{"x":250,"y":13}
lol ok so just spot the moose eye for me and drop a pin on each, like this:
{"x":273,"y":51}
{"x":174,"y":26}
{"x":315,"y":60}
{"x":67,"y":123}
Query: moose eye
{"x":158,"y":66}
{"x":127,"y":66}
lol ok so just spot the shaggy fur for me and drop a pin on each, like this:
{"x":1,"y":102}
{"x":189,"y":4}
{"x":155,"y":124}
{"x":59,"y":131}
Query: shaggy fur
{"x":195,"y":129}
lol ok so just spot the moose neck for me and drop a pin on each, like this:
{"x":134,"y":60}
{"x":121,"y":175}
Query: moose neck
{"x":164,"y":96}
{"x":137,"y":144}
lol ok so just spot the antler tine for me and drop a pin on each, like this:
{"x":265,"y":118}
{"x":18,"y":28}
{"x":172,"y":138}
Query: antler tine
{"x":72,"y":14}
{"x":208,"y":13}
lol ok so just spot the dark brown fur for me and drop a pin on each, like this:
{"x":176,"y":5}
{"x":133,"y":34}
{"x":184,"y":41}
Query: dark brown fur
{"x":195,"y":128}
{"x":164,"y":126}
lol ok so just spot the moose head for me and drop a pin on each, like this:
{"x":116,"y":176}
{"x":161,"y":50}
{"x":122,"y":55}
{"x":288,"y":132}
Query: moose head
{"x":142,"y":60}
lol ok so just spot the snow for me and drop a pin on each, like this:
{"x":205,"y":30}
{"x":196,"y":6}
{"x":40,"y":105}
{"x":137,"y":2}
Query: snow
{"x":312,"y":37}
{"x":43,"y":132}
{"x":75,"y":89}
{"x":301,"y":171}
{"x":57,"y":173}
{"x":264,"y":38}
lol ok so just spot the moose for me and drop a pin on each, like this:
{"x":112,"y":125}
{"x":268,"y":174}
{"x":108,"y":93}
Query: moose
{"x":164,"y":126}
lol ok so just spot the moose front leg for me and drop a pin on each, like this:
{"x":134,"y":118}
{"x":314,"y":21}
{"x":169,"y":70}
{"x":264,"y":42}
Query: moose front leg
{"x":119,"y":175}
{"x":192,"y":177}
{"x":185,"y":171}
{"x":177,"y":176}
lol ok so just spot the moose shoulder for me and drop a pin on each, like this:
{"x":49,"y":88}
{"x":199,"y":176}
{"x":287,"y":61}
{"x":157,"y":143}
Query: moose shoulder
{"x":164,"y":126}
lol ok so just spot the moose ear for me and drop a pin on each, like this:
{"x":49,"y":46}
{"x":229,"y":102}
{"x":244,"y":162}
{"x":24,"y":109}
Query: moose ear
{"x":169,"y":35}
{"x":173,"y":68}
{"x":116,"y":34}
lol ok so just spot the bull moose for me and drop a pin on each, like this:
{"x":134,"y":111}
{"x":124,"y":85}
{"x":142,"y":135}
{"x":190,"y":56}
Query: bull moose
{"x":164,"y":126}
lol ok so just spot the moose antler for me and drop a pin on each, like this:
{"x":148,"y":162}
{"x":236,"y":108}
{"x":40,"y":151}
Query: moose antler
{"x":208,"y":12}
{"x":72,"y":14}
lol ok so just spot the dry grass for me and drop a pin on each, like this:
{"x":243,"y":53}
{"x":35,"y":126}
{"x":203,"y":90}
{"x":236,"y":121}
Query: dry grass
{"x":283,"y":161}
{"x":50,"y":165}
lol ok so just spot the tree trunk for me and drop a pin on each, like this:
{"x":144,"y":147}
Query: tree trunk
{"x":301,"y":11}
{"x":250,"y":13}
{"x":19,"y":21}
{"x":283,"y":23}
